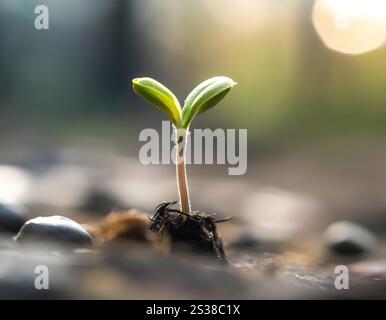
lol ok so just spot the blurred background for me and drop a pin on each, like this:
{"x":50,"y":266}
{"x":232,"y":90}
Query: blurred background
{"x":311,"y":92}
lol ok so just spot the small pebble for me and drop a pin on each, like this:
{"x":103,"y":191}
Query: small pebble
{"x":245,"y":239}
{"x":55,"y":229}
{"x":100,"y":201}
{"x":349,"y":238}
{"x":11,"y":218}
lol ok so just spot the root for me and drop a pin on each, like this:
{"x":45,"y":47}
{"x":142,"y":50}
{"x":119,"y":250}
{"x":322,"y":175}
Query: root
{"x":197,"y":229}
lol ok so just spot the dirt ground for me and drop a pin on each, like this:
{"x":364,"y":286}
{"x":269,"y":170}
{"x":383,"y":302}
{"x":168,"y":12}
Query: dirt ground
{"x":276,"y":241}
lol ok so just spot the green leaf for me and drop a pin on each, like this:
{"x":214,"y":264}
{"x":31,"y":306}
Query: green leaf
{"x":205,"y":96}
{"x":160,"y":96}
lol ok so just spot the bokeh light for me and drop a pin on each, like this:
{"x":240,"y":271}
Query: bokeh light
{"x":351,"y":26}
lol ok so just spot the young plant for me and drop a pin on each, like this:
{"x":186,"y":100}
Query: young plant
{"x":205,"y":96}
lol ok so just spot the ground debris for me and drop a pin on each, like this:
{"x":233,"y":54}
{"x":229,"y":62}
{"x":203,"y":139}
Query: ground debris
{"x":122,"y":225}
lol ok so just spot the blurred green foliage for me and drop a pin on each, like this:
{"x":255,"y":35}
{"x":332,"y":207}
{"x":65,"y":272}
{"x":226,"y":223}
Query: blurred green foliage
{"x":77,"y":74}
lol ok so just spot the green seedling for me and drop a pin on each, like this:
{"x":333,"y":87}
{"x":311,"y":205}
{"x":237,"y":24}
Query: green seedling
{"x":203,"y":97}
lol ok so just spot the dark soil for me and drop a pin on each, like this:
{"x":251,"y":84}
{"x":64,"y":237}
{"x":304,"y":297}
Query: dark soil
{"x":197,"y":231}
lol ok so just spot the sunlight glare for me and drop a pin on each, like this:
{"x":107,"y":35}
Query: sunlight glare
{"x":350,"y":26}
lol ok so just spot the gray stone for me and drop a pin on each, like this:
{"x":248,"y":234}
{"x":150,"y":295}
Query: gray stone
{"x":11,"y":218}
{"x":349,"y":238}
{"x":100,"y":201}
{"x":245,"y":240}
{"x":55,"y":229}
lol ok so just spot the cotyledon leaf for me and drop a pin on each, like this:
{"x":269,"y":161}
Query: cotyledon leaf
{"x":160,"y":96}
{"x":194,"y":93}
{"x":205,"y":96}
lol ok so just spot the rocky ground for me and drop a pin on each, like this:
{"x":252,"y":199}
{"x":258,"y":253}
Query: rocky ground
{"x":281,"y":242}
